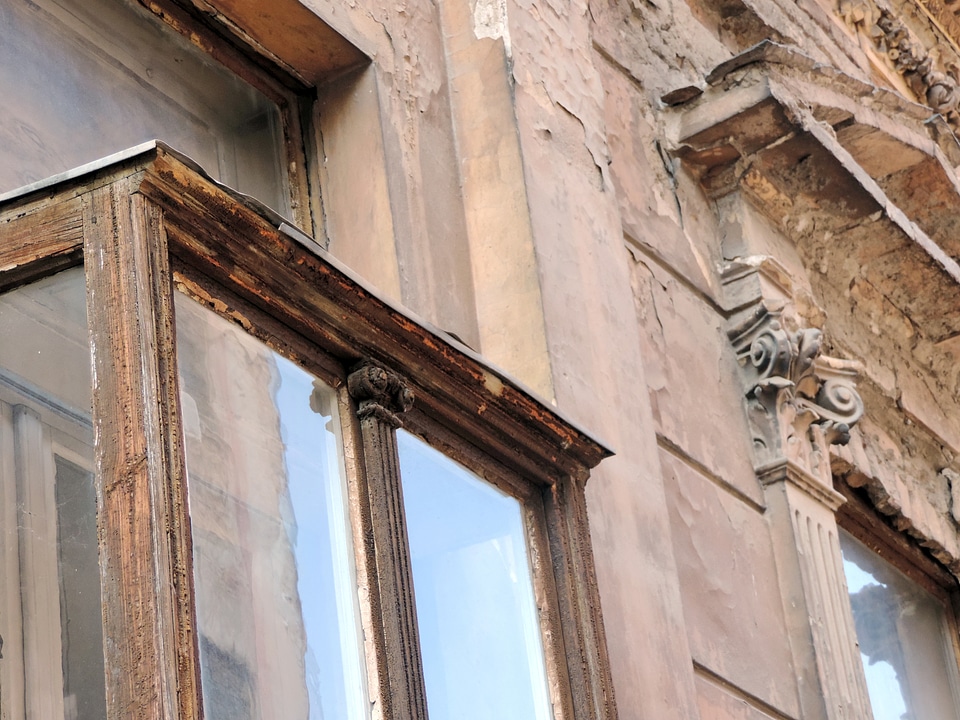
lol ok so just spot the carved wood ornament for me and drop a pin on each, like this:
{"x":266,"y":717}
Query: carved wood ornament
{"x":381,"y":393}
{"x":799,"y":401}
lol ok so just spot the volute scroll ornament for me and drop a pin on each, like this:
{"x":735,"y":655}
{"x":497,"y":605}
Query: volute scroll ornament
{"x":799,"y":401}
{"x":380,"y":393}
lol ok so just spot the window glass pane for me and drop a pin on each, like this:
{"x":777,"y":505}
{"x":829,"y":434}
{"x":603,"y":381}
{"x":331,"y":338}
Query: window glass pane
{"x":52,"y":662}
{"x":92,"y":77}
{"x":904,"y":639}
{"x":80,"y":617}
{"x":479,"y":629}
{"x":276,"y":596}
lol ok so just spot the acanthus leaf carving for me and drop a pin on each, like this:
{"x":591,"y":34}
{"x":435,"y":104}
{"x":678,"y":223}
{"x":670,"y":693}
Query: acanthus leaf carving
{"x":799,"y":401}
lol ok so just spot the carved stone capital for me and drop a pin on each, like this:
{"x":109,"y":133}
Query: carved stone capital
{"x":380,"y":393}
{"x":799,"y":402}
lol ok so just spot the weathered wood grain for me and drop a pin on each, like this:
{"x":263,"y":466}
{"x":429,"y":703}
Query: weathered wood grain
{"x":581,"y":622}
{"x":403,"y":670}
{"x":150,"y":647}
{"x":48,"y":239}
{"x":311,"y":292}
{"x":12,"y":700}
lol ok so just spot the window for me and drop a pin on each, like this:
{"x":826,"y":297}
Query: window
{"x":476,"y":610}
{"x":268,"y":537}
{"x":277,"y":613}
{"x":233,"y":90}
{"x":94,"y":76}
{"x":905,"y":624}
{"x":50,"y":618}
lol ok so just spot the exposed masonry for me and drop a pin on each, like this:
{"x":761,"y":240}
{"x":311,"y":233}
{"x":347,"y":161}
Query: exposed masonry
{"x":834,"y":164}
{"x":490,"y":21}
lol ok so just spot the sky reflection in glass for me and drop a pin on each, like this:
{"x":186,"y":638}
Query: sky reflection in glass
{"x":479,"y":629}
{"x":908,"y":661}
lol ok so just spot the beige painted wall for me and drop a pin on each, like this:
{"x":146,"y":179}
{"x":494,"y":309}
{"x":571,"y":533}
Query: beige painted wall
{"x":503,"y":169}
{"x":594,"y":265}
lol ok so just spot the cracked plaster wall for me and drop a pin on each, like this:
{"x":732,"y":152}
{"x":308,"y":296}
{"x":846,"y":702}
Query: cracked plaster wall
{"x":733,"y":617}
{"x":517,"y":166}
{"x":610,"y":252}
{"x":903,"y":453}
{"x":408,"y":100}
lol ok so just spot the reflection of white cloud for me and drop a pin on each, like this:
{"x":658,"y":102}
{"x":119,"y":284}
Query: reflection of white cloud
{"x":857,"y":578}
{"x":191,"y":415}
{"x":885,"y":697}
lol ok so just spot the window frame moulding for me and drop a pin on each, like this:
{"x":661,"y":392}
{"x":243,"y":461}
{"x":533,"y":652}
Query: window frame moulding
{"x":146,"y":223}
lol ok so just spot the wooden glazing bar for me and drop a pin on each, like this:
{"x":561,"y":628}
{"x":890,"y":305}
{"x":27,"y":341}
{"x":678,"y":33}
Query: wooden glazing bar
{"x":40,"y":596}
{"x":591,"y":684}
{"x":12,"y":700}
{"x":150,"y":646}
{"x":381,"y":396}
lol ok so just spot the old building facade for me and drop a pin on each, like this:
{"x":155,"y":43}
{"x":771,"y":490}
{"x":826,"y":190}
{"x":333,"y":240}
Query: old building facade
{"x":701,"y":251}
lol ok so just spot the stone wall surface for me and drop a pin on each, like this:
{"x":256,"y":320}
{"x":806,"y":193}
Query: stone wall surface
{"x":534,"y":169}
{"x":598,"y":196}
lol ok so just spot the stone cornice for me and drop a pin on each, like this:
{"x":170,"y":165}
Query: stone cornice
{"x":786,"y":471}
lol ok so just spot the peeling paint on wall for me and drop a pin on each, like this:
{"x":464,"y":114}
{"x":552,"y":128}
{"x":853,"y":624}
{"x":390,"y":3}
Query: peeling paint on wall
{"x":490,"y":21}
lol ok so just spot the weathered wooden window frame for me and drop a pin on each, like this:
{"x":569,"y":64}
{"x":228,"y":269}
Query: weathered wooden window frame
{"x":275,"y":73}
{"x":145,"y":223}
{"x":859,"y":519}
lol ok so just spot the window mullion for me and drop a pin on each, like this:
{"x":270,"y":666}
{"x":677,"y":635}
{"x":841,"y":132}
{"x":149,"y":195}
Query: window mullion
{"x":382,"y":395}
{"x":586,"y":685}
{"x":150,"y":648}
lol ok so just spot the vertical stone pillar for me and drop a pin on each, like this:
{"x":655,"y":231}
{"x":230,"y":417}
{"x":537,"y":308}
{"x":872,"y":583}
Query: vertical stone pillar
{"x":799,"y":402}
{"x":382,"y":396}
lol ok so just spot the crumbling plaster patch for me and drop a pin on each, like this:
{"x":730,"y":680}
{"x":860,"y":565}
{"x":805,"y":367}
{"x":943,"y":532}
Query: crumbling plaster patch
{"x":910,"y":435}
{"x":912,"y":428}
{"x":661,"y":45}
{"x":490,"y":21}
{"x":553,"y":64}
{"x":899,"y":471}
